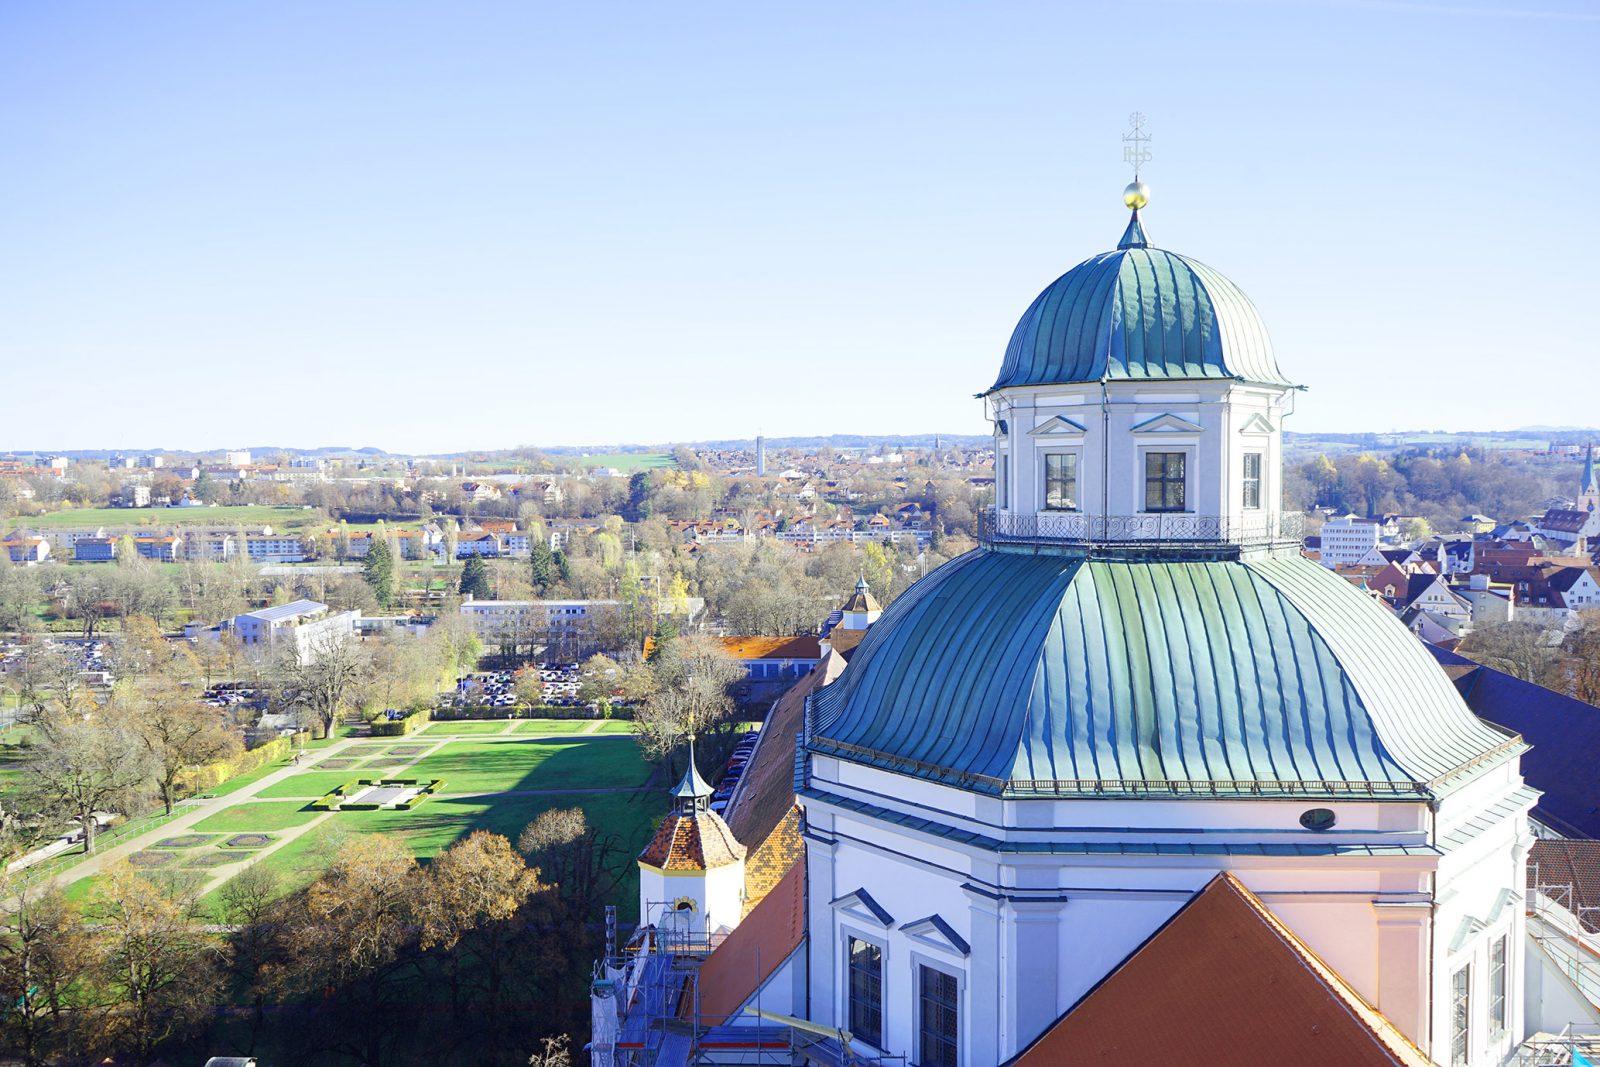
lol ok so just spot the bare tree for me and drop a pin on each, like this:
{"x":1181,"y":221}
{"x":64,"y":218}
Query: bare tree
{"x":160,"y":967}
{"x":179,"y":732}
{"x":323,"y":679}
{"x":695,"y":677}
{"x":86,"y":763}
{"x":45,"y":953}
{"x":1520,"y":649}
{"x":585,"y":864}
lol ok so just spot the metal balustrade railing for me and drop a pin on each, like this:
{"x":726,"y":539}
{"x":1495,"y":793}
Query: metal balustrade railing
{"x":1153,"y":528}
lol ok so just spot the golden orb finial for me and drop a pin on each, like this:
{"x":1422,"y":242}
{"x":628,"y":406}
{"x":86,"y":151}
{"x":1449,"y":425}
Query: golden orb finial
{"x":1136,"y":195}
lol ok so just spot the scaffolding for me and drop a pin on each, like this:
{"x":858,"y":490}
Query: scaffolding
{"x":646,"y":1012}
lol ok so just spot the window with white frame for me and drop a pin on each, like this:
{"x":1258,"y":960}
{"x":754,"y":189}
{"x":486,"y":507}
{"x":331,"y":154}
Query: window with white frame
{"x":1497,"y":985}
{"x":1061,"y":481}
{"x":1461,"y":1017}
{"x":1166,"y":481}
{"x":938,"y":1018}
{"x":1252,"y":481}
{"x":866,"y":991}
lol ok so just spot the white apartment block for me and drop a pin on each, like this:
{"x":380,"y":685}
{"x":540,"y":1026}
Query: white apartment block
{"x":1346,"y":540}
{"x":305,"y":625}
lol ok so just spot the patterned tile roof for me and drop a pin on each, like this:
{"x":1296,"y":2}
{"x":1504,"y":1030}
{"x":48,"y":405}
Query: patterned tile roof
{"x":692,"y":841}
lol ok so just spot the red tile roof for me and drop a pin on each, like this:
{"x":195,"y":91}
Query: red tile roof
{"x":1569,"y":872}
{"x":692,"y":842}
{"x":1222,"y":982}
{"x":756,"y":948}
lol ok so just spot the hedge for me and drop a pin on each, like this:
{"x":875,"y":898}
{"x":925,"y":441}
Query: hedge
{"x":335,"y":801}
{"x":526,"y":711}
{"x":200,"y":779}
{"x":400,"y":727}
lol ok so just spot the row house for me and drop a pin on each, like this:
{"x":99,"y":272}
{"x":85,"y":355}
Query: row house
{"x":161,"y":548}
{"x":23,"y":548}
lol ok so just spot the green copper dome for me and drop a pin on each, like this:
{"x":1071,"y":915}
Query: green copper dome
{"x":1139,"y":313}
{"x":1026,"y":673}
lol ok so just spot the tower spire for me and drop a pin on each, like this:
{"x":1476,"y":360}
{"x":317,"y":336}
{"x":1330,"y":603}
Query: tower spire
{"x":1590,"y":484}
{"x":1136,"y":153}
{"x":692,"y":791}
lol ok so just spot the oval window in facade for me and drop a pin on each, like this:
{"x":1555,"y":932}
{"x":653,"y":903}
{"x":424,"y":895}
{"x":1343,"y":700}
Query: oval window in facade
{"x":1317,"y":818}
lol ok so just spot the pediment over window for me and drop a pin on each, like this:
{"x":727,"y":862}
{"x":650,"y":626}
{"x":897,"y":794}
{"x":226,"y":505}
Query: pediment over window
{"x":934,"y":931}
{"x":1257,"y":423}
{"x":1168,"y":423}
{"x":1058,"y":426}
{"x":860,"y":905}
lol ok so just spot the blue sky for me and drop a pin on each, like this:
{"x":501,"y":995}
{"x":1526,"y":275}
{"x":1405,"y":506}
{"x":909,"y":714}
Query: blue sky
{"x":440,"y":226}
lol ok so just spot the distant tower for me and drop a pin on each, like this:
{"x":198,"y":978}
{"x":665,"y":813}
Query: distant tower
{"x":691,"y":874}
{"x":1589,"y":491}
{"x":861,"y":610}
{"x":761,"y":456}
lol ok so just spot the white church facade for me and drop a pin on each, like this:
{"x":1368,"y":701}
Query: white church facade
{"x":1044,"y":762}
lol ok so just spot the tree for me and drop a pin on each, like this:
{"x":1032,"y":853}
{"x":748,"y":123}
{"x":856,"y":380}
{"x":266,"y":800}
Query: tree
{"x":180,"y":734}
{"x":324,"y":678}
{"x":694,"y":680}
{"x":599,"y":679}
{"x":85,"y":763}
{"x":1520,"y":649}
{"x":542,"y":567}
{"x":348,"y":944}
{"x":475,"y":579}
{"x":160,"y":966}
{"x":45,"y":953}
{"x":250,"y":904}
{"x":585,"y":864}
{"x":378,"y":570}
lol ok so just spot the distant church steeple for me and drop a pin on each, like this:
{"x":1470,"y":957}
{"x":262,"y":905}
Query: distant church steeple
{"x":1589,"y":489}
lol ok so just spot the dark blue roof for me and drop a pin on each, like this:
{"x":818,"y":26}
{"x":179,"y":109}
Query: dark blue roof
{"x":1139,"y":312}
{"x":1014,"y":671}
{"x":1564,"y":733}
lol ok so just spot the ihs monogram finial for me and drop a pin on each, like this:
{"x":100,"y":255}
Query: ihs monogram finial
{"x":1136,"y":153}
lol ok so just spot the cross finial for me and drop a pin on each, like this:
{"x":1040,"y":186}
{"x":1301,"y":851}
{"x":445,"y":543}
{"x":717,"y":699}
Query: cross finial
{"x":1136,"y":144}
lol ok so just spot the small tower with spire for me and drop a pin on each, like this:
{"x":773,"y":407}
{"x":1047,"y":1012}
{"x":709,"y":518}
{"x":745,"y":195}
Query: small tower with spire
{"x":861,"y":610}
{"x":691,"y":874}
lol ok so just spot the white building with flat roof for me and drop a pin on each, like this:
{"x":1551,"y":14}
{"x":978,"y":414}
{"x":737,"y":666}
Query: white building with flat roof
{"x":305,"y":624}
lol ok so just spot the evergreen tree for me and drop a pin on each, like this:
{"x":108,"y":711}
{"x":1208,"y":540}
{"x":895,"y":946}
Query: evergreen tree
{"x":378,"y":570}
{"x":543,"y":565}
{"x":666,"y":632}
{"x":475,"y":579}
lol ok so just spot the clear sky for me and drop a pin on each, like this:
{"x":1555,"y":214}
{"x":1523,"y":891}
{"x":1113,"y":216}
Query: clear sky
{"x":429,"y":227}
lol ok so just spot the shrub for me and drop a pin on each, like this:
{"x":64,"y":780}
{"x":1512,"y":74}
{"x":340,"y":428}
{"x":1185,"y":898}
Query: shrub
{"x":400,"y":727}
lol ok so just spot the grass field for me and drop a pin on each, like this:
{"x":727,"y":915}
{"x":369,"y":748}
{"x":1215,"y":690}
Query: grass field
{"x":626,"y":461}
{"x":490,"y":726}
{"x":310,"y":784}
{"x":262,"y":815}
{"x":551,"y":726}
{"x":134,"y":518}
{"x":499,"y":766}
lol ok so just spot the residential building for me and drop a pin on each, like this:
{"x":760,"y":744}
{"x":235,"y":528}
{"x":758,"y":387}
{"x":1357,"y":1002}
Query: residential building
{"x":274,"y":548}
{"x":94,"y":550}
{"x":23,"y":548}
{"x":162,"y":549}
{"x":306,"y":626}
{"x":1348,"y":540}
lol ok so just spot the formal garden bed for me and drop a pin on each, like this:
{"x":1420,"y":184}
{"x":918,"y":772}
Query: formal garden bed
{"x":373,"y":794}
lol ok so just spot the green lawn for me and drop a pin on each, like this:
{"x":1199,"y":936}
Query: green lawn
{"x":240,"y":781}
{"x":497,"y":766}
{"x":551,"y":726}
{"x":615,"y":726}
{"x":134,"y":518}
{"x":625,"y":461}
{"x":310,"y":784}
{"x":262,"y":816}
{"x":467,"y":726}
